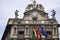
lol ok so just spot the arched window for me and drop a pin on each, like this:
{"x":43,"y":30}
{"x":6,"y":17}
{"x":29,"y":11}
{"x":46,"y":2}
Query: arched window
{"x":54,"y":31}
{"x":14,"y":31}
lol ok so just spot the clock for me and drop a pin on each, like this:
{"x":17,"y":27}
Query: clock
{"x":34,"y":13}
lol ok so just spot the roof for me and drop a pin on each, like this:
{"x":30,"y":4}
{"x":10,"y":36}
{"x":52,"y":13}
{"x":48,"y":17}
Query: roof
{"x":34,"y":10}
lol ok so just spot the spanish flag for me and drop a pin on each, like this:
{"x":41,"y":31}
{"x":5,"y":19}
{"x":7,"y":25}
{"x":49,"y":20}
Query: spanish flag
{"x":38,"y":31}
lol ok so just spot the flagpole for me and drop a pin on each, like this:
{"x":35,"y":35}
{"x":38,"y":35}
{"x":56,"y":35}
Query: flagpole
{"x":34,"y":24}
{"x":40,"y":35}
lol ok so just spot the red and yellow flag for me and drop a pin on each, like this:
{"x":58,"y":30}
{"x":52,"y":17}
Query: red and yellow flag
{"x":38,"y":31}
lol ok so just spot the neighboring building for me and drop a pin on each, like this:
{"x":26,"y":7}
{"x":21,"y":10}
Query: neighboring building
{"x":34,"y":17}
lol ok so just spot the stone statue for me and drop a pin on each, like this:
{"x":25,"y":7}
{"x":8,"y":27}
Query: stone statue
{"x":16,"y":14}
{"x":34,"y":3}
{"x":53,"y":13}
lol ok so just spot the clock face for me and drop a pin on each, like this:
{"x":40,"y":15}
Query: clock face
{"x":34,"y":13}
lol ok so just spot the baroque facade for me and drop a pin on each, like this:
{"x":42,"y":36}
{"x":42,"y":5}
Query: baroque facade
{"x":34,"y":16}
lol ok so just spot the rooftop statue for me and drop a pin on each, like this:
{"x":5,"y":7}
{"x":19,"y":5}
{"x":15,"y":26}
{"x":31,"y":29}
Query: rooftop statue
{"x":16,"y":14}
{"x":53,"y":13}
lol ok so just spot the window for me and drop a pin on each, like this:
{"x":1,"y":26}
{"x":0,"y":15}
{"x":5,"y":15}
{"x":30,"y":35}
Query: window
{"x":49,"y":28}
{"x":21,"y":32}
{"x":14,"y":31}
{"x":49,"y":32}
{"x":54,"y":30}
{"x":26,"y":30}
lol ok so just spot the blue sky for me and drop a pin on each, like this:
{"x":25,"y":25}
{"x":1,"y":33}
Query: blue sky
{"x":7,"y":8}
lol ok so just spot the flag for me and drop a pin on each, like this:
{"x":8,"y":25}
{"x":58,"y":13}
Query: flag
{"x":38,"y":31}
{"x":31,"y":31}
{"x":43,"y":32}
{"x":34,"y":32}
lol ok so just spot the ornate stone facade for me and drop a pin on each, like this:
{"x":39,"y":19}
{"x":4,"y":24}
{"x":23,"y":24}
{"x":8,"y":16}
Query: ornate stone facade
{"x":34,"y":16}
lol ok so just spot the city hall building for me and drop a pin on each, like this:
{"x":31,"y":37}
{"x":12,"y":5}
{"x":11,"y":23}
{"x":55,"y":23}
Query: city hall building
{"x":34,"y":18}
